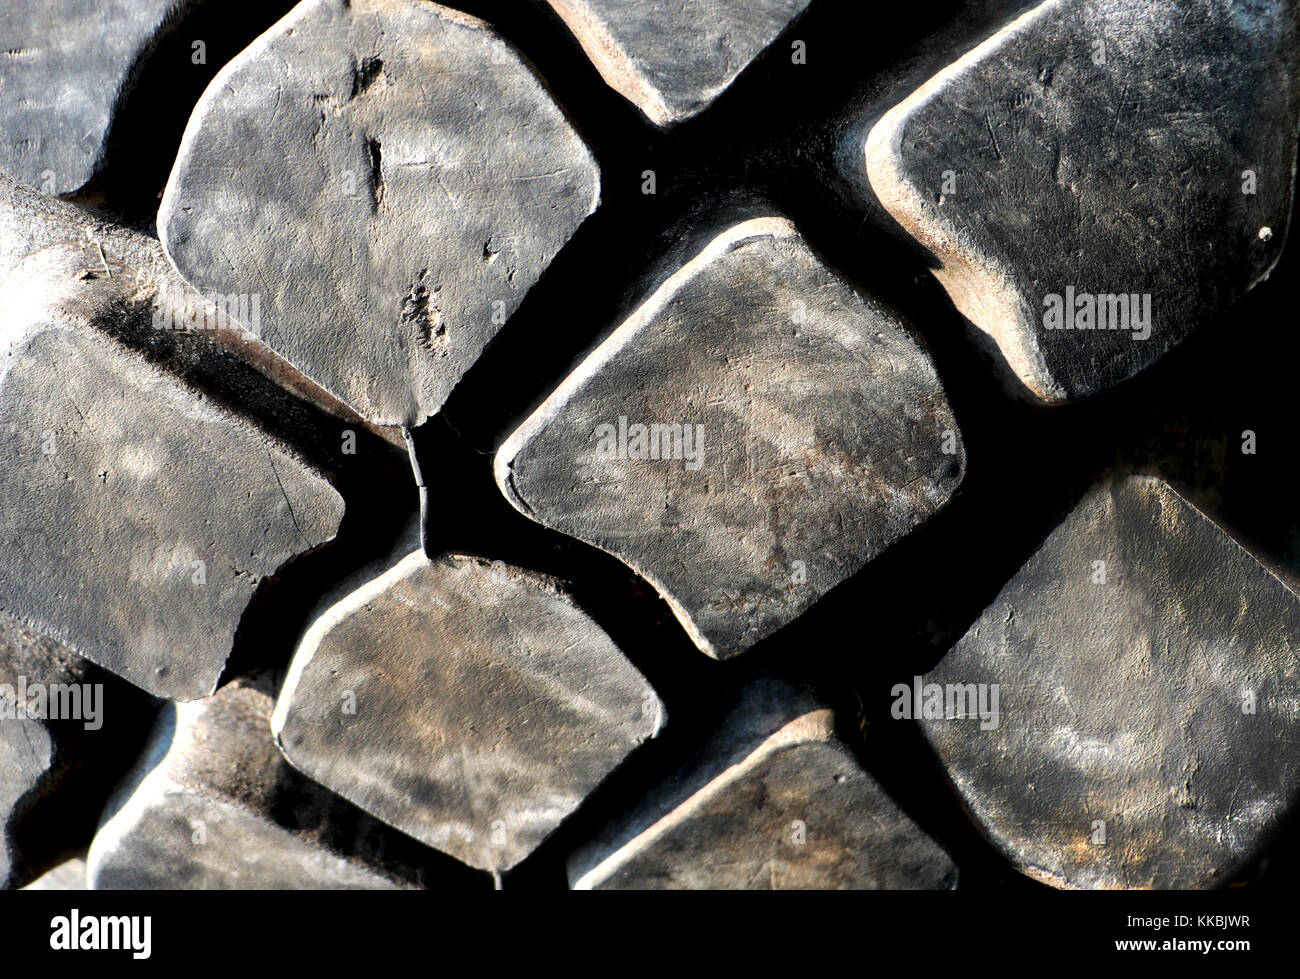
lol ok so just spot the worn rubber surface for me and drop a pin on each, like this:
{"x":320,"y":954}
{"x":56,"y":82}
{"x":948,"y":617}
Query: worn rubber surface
{"x":564,"y":444}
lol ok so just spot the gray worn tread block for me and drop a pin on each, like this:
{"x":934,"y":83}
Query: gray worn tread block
{"x":30,"y":221}
{"x":1100,"y":147}
{"x":471,"y":705}
{"x":391,"y":178}
{"x":204,"y":810}
{"x":65,"y":65}
{"x":672,"y":60}
{"x":822,"y":436}
{"x":774,"y":801}
{"x":1149,"y":719}
{"x":138,"y":517}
